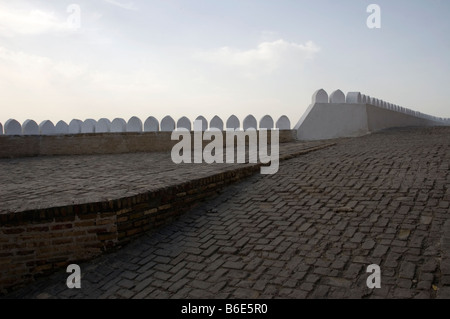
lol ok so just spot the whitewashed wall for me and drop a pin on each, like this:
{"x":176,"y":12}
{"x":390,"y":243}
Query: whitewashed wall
{"x":355,"y":114}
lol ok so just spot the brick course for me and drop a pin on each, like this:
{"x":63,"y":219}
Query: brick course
{"x":97,"y":143}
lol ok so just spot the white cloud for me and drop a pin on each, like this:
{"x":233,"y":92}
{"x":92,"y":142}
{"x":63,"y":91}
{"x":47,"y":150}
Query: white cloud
{"x":40,"y":87}
{"x":36,"y":73}
{"x":27,"y":66}
{"x":267,"y":36}
{"x":266,"y":58}
{"x":127,"y":6}
{"x":30,"y":22}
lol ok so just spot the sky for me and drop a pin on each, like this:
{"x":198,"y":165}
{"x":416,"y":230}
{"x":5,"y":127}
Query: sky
{"x":61,"y":60}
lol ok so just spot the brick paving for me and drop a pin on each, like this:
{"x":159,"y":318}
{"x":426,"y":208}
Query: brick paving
{"x":309,"y":231}
{"x":52,"y":181}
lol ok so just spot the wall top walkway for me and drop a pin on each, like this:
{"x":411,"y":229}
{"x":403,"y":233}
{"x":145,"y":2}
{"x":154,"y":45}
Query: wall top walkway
{"x":42,"y":182}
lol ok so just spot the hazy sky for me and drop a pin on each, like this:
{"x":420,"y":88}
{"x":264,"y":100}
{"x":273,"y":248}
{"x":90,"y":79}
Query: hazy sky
{"x":216,"y":57}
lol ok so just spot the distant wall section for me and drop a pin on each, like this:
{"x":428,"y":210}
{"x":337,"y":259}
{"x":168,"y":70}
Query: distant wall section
{"x":118,"y":136}
{"x":354,"y":115}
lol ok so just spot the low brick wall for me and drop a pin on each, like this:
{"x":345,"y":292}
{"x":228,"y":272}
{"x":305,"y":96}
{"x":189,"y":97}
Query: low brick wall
{"x":99,"y":143}
{"x":38,"y":242}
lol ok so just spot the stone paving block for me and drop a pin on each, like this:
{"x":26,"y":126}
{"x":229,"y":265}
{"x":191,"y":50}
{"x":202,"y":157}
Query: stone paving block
{"x":407,"y":270}
{"x":320,"y":292}
{"x":125,"y":294}
{"x":144,"y":293}
{"x":368,"y":244}
{"x":143,"y":284}
{"x":380,"y":251}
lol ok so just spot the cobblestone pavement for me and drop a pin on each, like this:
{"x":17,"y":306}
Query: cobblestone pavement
{"x":309,"y":231}
{"x":43,"y":182}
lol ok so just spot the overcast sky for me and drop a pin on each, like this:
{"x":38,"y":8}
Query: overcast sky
{"x":216,"y":57}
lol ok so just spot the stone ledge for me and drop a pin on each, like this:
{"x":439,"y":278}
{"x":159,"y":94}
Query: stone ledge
{"x":96,"y":143}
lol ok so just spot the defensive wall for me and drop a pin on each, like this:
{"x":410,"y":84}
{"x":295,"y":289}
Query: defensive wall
{"x":37,"y":242}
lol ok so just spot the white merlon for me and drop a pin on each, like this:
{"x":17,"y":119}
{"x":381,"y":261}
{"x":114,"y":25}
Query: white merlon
{"x":216,"y":122}
{"x":355,"y":97}
{"x":88,"y":126}
{"x":167,"y":124}
{"x":134,"y":125}
{"x":233,"y":122}
{"x":12,"y":127}
{"x":151,"y":124}
{"x":30,"y":127}
{"x":47,"y":128}
{"x":118,"y":125}
{"x":75,"y":126}
{"x":363,"y":98}
{"x":184,"y":123}
{"x":337,"y":97}
{"x":266,"y":122}
{"x":103,"y":126}
{"x":61,"y":128}
{"x":283,"y":123}
{"x":203,"y":121}
{"x":250,"y":122}
{"x":320,"y":96}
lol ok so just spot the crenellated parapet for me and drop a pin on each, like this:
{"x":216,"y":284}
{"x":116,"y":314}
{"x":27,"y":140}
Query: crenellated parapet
{"x":355,"y":114}
{"x":135,"y":125}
